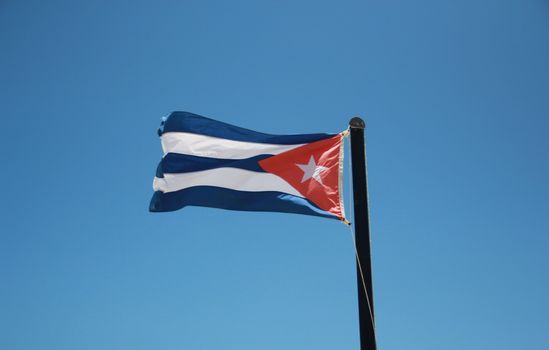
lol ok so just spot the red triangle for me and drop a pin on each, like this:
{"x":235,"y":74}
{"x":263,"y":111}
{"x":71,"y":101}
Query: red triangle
{"x":317,"y":179}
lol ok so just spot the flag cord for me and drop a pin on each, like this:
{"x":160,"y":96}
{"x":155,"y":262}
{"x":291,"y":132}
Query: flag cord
{"x":354,"y":246}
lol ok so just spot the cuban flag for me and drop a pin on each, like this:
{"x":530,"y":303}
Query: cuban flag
{"x":209,"y":163}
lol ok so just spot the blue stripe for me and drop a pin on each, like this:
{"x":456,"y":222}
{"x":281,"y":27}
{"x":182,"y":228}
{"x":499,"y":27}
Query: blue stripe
{"x":223,"y":198}
{"x":196,"y":124}
{"x":159,"y":172}
{"x":184,"y":163}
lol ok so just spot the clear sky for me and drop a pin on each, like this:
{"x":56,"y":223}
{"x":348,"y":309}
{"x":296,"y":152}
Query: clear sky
{"x":455,"y":95}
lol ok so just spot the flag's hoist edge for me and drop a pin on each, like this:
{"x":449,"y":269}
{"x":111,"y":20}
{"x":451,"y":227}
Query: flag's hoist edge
{"x":205,"y":161}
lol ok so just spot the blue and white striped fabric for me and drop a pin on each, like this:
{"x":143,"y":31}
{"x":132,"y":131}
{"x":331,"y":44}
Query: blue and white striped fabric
{"x":213,"y":164}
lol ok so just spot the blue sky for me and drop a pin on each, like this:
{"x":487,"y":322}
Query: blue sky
{"x":455,"y":97}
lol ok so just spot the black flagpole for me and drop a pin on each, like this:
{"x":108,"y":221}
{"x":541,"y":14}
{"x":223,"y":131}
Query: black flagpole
{"x":362,"y":236}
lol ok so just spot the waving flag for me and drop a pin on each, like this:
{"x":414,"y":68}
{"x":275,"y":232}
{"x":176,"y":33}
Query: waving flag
{"x":213,"y":164}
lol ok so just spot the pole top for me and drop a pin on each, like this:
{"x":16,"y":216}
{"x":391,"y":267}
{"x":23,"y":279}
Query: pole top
{"x":357,"y":123}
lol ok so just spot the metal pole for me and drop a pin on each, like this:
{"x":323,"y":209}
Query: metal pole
{"x":362,"y":236}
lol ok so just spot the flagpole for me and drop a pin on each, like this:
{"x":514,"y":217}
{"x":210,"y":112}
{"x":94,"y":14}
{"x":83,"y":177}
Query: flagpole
{"x":362,"y":236}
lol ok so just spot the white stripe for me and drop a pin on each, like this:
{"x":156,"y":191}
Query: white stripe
{"x":214,"y":147}
{"x":236,"y":179}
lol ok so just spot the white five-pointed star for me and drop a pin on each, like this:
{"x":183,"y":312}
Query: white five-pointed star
{"x":311,"y":170}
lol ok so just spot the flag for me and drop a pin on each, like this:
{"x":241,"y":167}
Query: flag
{"x":209,"y":163}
